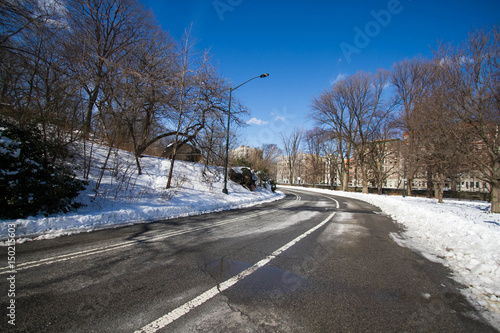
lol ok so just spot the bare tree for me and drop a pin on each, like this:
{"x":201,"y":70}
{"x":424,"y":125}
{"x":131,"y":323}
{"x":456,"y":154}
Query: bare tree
{"x":212,"y":141}
{"x":411,"y":79}
{"x":141,"y":93}
{"x":434,"y":127}
{"x":271,"y":153}
{"x":19,"y":16}
{"x":35,"y":84}
{"x":200,"y":97}
{"x":333,"y":162}
{"x":354,"y":110}
{"x":101,"y":34}
{"x":330,"y":111}
{"x":472,"y":74}
{"x":291,"y":144}
{"x":369,"y":110}
{"x":314,"y":162}
{"x":384,"y":155}
{"x":99,"y":38}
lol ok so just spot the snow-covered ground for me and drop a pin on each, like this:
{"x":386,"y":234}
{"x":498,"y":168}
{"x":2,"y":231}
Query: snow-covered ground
{"x":462,"y":235}
{"x":126,"y":198}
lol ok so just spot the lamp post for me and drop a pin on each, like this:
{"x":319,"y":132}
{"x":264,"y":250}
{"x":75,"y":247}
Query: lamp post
{"x":224,"y":190}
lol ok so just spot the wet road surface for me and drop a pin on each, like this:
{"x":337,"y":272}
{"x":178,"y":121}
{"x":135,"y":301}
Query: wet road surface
{"x":308,"y":263}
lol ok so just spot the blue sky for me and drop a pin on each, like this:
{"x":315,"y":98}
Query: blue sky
{"x":305,"y":46}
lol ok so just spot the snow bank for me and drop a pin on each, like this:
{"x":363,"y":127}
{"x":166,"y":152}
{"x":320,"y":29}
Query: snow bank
{"x":462,"y":235}
{"x":126,"y":198}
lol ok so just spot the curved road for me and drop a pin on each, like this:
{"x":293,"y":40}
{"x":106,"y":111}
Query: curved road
{"x":308,"y":263}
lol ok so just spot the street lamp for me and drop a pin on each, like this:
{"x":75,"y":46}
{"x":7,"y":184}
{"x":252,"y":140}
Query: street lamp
{"x":224,"y":190}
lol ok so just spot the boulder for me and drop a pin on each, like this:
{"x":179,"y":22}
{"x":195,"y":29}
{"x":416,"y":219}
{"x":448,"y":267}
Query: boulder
{"x":186,"y":152}
{"x":244,"y":177}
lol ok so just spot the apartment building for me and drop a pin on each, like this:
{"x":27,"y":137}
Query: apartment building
{"x":245,"y":152}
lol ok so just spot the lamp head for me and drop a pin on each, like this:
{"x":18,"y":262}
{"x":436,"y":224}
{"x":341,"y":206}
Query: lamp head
{"x":264,"y":75}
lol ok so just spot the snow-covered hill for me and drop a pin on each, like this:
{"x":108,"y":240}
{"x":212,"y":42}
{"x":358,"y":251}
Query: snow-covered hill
{"x":123,"y":197}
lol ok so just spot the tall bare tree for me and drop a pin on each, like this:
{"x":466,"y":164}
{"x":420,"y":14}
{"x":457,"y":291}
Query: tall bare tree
{"x":200,"y":96}
{"x":142,"y":93}
{"x":331,"y":112}
{"x":19,"y":16}
{"x":472,"y":74}
{"x":384,"y":153}
{"x":411,"y":79}
{"x":333,"y":162}
{"x":314,"y":161}
{"x":101,"y":33}
{"x":271,"y":153}
{"x":292,"y":144}
{"x":35,"y":84}
{"x":354,"y":109}
{"x":367,"y":106}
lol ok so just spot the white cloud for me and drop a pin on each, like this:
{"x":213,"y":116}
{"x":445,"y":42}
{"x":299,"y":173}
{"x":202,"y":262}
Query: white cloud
{"x":339,"y":78}
{"x":255,"y":121}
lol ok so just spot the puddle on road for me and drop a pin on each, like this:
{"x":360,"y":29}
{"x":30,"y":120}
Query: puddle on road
{"x":267,"y":280}
{"x":223,"y":269}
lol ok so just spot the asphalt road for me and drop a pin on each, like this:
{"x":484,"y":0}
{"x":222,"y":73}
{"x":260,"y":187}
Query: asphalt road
{"x":308,"y":263}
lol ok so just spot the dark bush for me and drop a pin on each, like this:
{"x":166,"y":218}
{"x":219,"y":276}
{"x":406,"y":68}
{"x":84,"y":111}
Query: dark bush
{"x":33,"y":176}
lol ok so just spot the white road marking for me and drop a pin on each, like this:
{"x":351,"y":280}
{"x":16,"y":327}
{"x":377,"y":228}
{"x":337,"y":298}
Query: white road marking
{"x":291,"y":203}
{"x":317,"y":193}
{"x":99,"y":250}
{"x":173,"y":315}
{"x":336,"y":202}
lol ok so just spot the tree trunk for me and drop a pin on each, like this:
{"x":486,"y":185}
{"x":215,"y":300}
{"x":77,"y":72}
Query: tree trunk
{"x":365,"y":179}
{"x":365,"y":186}
{"x":495,"y":188}
{"x":495,"y":198}
{"x":87,"y":121}
{"x":170,"y":173}
{"x":172,"y":161}
{"x":409,"y":183}
{"x":138,"y":163}
{"x":430,"y":184}
{"x":345,"y":184}
{"x":439,"y":188}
